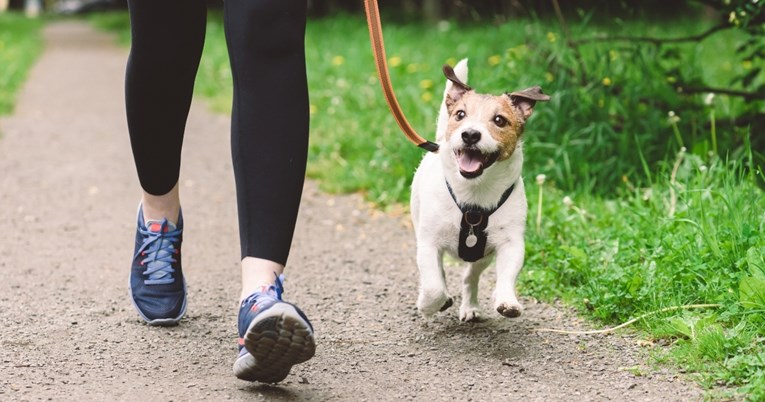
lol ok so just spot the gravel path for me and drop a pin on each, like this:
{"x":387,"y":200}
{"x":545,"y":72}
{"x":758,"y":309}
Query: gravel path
{"x":68,"y":331}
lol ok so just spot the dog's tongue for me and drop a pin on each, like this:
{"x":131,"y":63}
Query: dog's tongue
{"x":470,"y":162}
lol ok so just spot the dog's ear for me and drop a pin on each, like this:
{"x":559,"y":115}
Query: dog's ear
{"x":458,"y":88}
{"x":527,"y":98}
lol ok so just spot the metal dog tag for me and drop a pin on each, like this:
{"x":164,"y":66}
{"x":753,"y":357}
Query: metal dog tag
{"x":471,"y":239}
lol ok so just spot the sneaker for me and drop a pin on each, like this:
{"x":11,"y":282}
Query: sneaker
{"x":157,"y":287}
{"x":273,"y":336}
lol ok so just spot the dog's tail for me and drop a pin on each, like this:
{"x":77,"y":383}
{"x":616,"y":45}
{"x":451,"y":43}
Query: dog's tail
{"x":461,"y":70}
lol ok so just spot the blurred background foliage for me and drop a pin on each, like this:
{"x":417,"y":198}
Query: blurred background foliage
{"x":633,"y":82}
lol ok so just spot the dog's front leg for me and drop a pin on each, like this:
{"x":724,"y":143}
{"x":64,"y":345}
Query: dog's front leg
{"x":433,"y":295}
{"x":470,"y":310}
{"x":509,"y":264}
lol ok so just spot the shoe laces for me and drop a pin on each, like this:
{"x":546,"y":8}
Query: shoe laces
{"x":274,"y":291}
{"x":159,"y":251}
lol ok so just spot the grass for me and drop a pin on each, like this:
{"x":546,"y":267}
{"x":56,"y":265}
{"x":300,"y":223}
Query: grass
{"x":641,"y":211}
{"x":615,"y":259}
{"x":20,"y":44}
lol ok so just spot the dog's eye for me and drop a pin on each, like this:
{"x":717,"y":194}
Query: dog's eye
{"x":459,"y":115}
{"x":500,"y":121}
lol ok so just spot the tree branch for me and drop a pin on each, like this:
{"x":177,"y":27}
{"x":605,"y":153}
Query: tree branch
{"x":655,"y":41}
{"x":722,"y":91}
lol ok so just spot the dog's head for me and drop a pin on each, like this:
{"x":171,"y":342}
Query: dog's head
{"x":484,"y":129}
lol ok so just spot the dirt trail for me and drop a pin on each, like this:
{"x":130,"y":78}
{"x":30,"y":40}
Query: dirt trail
{"x":68,"y":195}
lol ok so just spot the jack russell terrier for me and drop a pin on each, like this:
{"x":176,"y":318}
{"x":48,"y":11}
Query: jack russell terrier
{"x":468,"y":199}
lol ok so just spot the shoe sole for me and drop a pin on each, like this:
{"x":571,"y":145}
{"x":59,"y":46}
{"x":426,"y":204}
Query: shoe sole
{"x":160,"y":322}
{"x":276,"y":340}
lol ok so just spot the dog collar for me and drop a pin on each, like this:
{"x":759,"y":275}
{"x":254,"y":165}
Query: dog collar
{"x":475,"y":219}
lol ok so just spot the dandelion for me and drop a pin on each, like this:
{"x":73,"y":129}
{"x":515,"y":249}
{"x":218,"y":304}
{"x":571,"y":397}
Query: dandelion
{"x":540,"y":182}
{"x":412,"y":68}
{"x":394,"y":61}
{"x":607,"y":82}
{"x":551,"y":37}
{"x":313,"y":109}
{"x":713,"y":126}
{"x":494,"y":60}
{"x":451,"y":61}
{"x":427,"y":96}
{"x":549,"y":77}
{"x":338,"y":60}
{"x":672,"y":117}
{"x":426,"y":84}
{"x":567,"y":202}
{"x":746,"y":64}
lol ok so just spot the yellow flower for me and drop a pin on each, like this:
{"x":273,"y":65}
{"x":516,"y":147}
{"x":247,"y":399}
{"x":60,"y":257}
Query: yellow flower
{"x":451,"y":61}
{"x":494,"y":60}
{"x":607,"y":81}
{"x":426,"y":84}
{"x":549,"y":77}
{"x":313,"y":109}
{"x":338,"y":60}
{"x":747,"y":64}
{"x":394,"y":61}
{"x":427,"y":96}
{"x":412,"y":68}
{"x":551,"y":37}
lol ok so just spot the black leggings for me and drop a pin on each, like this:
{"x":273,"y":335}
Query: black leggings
{"x":269,"y":123}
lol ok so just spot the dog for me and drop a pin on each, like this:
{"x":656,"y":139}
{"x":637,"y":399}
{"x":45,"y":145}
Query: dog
{"x":468,"y":199}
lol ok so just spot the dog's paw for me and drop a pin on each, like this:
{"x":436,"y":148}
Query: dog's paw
{"x":510,"y":310}
{"x":470,"y":314}
{"x":430,"y":303}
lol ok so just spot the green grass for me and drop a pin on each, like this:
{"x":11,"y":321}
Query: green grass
{"x":20,"y":44}
{"x":646,"y":226}
{"x":615,"y":259}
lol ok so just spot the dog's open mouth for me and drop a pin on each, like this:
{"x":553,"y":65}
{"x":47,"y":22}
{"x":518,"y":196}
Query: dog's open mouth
{"x":472,"y":161}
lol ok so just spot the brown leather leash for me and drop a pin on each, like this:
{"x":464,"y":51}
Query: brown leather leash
{"x":378,"y":48}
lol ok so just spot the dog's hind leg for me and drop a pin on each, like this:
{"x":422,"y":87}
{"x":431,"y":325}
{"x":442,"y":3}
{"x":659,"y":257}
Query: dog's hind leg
{"x":470,"y":309}
{"x":509,"y":264}
{"x":433,"y":295}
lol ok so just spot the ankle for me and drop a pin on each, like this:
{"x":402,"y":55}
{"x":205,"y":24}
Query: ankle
{"x":258,"y":274}
{"x":158,"y":207}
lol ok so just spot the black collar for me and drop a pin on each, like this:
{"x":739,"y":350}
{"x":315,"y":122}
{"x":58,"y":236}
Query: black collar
{"x":475,"y":219}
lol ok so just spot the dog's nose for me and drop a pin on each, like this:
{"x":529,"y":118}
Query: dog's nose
{"x":471,"y":137}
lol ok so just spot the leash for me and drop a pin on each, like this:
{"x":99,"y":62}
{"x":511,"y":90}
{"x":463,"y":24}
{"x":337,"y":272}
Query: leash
{"x":378,"y":48}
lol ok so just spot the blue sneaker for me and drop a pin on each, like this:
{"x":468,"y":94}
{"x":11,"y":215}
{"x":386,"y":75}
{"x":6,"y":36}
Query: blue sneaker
{"x":273,"y":336}
{"x":157,"y":287}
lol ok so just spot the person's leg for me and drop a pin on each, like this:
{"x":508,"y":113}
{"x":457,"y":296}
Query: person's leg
{"x":269,"y":143}
{"x":167,"y":41}
{"x":269,"y":133}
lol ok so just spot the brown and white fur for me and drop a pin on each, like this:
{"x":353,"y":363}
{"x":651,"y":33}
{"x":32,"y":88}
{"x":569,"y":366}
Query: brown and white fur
{"x":481,"y":156}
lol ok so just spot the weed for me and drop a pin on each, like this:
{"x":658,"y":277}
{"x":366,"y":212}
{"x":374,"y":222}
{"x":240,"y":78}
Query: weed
{"x":20,"y":44}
